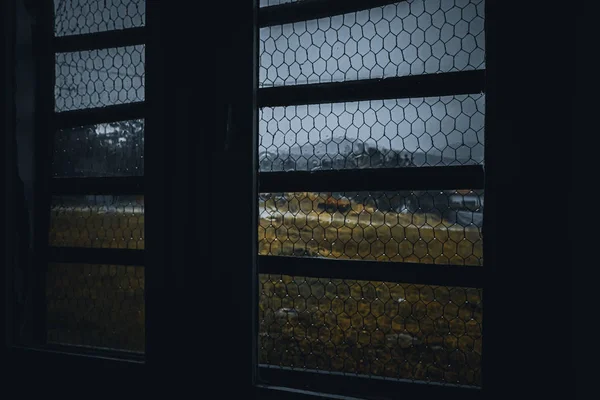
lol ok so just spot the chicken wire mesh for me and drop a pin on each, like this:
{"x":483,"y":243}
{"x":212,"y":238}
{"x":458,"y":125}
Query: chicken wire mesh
{"x":76,"y":17}
{"x":411,"y":37}
{"x":395,"y":330}
{"x":99,"y":78}
{"x":432,"y":131}
{"x":95,"y":305}
{"x":441,"y":227}
{"x":101,"y":150}
{"x":101,"y":306}
{"x":107,"y":221}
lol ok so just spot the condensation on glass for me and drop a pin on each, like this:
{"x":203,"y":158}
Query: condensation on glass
{"x":394,"y":330}
{"x":97,"y":221}
{"x":432,"y":131}
{"x":93,"y":305}
{"x":431,"y":227}
{"x":101,"y":150}
{"x":411,"y":37}
{"x":99,"y":78}
{"x":77,"y":17}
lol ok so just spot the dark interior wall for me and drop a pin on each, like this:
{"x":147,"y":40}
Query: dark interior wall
{"x":530,"y":64}
{"x":21,"y":139}
{"x":25,"y":86}
{"x":6,"y":125}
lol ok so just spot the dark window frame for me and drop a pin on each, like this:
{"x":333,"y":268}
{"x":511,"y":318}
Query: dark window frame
{"x":447,"y":177}
{"x":47,"y":122}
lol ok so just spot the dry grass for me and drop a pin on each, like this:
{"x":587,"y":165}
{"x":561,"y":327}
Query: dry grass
{"x":395,"y":330}
{"x":298,"y":227}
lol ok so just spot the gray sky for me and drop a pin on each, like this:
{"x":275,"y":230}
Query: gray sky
{"x":76,"y":17}
{"x":99,"y":78}
{"x":430,"y":124}
{"x":410,"y":37}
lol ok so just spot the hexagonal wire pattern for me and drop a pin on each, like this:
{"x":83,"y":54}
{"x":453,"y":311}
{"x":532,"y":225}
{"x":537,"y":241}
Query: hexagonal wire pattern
{"x":98,"y":78}
{"x":110,"y":222}
{"x":417,"y":332}
{"x":441,"y":227}
{"x":411,"y":37}
{"x":101,"y":150}
{"x":433,"y":131}
{"x":96,"y":305}
{"x":77,"y":17}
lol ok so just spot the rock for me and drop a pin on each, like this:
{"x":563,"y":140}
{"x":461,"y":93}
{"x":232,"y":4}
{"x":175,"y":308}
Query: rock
{"x":403,"y":340}
{"x":286,"y":313}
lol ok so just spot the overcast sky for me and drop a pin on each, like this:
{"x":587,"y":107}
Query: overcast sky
{"x":407,"y":38}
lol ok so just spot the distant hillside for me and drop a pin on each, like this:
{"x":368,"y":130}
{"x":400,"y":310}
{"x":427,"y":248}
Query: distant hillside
{"x":341,"y":153}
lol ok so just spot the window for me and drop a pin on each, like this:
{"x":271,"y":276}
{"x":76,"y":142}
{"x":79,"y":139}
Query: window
{"x":371,"y":193}
{"x":93,"y":169}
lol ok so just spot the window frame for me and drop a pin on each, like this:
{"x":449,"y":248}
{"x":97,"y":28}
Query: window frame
{"x":380,"y":179}
{"x":47,"y":122}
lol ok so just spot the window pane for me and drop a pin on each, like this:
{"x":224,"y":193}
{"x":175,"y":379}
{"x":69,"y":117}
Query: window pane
{"x":441,"y":227}
{"x":76,"y":17}
{"x":432,"y":131}
{"x":420,"y":332}
{"x":102,"y":150}
{"x":411,"y":37}
{"x":96,"y":305}
{"x":98,"y":78}
{"x":97,"y":221}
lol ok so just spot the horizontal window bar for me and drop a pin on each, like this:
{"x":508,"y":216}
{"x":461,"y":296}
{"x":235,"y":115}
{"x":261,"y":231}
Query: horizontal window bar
{"x":445,"y":84}
{"x":92,"y":186}
{"x":54,"y":355}
{"x":100,"y":40}
{"x":111,"y":354}
{"x":313,"y":9}
{"x":426,"y":274}
{"x":278,"y":392}
{"x":91,"y":116}
{"x":96,"y":256}
{"x":357,"y":385}
{"x":377,"y":179}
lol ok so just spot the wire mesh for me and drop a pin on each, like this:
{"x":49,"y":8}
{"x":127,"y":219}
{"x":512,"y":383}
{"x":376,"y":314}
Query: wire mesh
{"x":76,"y":17}
{"x":101,"y":150}
{"x":411,"y":37}
{"x":96,"y":305}
{"x":417,"y":332}
{"x":434,"y":227}
{"x":99,"y":78}
{"x":107,"y":221}
{"x":432,"y":131}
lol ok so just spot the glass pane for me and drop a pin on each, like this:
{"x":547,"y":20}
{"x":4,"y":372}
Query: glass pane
{"x":411,"y":37}
{"x":102,"y":150}
{"x":109,"y":221}
{"x":96,"y":305}
{"x":431,"y":227}
{"x":98,"y":78}
{"x":417,"y":332}
{"x":76,"y":17}
{"x":432,"y":131}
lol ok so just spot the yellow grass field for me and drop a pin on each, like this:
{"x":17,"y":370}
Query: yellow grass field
{"x":296,"y":226}
{"x":378,"y":328}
